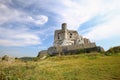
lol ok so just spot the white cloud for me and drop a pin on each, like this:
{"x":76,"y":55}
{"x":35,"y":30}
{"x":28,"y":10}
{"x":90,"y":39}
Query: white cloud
{"x":8,"y":14}
{"x":39,"y":19}
{"x":80,"y":11}
{"x":73,"y":12}
{"x":77,"y":13}
{"x":110,"y":29}
{"x":17,"y":37}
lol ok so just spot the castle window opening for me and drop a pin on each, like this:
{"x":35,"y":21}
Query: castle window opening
{"x":70,"y":35}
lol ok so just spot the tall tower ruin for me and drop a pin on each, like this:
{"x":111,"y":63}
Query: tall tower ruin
{"x":64,"y":37}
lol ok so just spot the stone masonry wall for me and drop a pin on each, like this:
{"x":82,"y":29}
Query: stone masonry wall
{"x":64,"y":49}
{"x":68,"y":41}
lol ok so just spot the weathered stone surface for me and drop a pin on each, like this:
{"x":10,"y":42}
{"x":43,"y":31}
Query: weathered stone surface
{"x":65,"y":37}
{"x":52,"y":50}
{"x":69,"y":42}
{"x":73,"y":49}
{"x":42,"y":53}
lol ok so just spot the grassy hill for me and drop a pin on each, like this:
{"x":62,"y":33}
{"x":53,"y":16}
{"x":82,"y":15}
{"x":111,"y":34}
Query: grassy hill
{"x":91,"y":66}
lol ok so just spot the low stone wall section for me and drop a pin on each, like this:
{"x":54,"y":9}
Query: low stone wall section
{"x":69,"y":49}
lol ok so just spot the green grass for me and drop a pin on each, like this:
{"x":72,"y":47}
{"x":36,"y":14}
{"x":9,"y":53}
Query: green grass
{"x":71,"y":67}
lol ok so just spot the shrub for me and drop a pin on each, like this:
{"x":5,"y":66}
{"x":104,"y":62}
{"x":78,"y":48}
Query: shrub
{"x":5,"y":58}
{"x":80,"y":51}
{"x":113,"y":50}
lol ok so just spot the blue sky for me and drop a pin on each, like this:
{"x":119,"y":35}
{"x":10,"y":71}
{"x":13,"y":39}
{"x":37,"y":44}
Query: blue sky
{"x":27,"y":26}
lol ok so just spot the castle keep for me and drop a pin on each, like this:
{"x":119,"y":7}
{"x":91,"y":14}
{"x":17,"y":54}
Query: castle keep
{"x":69,"y":42}
{"x":66,"y":37}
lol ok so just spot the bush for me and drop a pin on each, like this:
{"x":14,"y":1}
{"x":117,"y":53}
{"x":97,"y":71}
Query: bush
{"x":80,"y":51}
{"x":113,"y":50}
{"x":5,"y":58}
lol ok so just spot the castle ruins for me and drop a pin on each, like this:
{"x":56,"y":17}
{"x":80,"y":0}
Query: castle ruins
{"x":66,"y":37}
{"x":69,"y":42}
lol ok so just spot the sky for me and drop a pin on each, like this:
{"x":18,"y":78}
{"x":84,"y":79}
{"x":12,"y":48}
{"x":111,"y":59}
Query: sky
{"x":27,"y":26}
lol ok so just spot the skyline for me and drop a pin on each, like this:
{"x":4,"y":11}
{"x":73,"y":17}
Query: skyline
{"x":26,"y":27}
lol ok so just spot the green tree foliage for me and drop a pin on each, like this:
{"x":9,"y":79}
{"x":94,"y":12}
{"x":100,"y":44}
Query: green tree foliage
{"x":113,"y":50}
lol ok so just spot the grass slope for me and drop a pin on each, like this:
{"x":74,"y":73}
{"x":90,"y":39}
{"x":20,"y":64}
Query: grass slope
{"x":72,"y":67}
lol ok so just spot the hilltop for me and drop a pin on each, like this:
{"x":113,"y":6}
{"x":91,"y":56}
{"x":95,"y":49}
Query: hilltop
{"x":92,"y":66}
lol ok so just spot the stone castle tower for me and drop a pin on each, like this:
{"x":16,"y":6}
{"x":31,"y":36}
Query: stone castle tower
{"x":65,"y":37}
{"x":69,"y":42}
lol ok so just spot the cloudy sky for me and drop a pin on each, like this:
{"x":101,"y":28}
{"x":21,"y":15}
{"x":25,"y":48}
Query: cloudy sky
{"x":27,"y":26}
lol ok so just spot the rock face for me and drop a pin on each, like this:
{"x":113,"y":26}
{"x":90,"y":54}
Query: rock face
{"x":68,"y":42}
{"x":67,"y":50}
{"x":42,"y":53}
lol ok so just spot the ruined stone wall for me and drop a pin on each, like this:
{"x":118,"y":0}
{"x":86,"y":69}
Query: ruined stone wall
{"x":65,"y":49}
{"x":69,"y":41}
{"x":86,"y":41}
{"x":72,"y":35}
{"x":65,"y":37}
